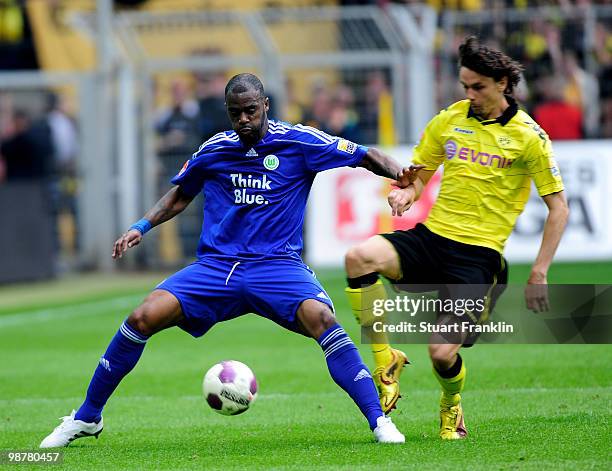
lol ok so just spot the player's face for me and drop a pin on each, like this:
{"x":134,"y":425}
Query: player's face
{"x":485,"y":94}
{"x":248,"y":112}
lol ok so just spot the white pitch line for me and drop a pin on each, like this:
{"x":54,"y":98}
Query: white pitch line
{"x":64,"y":312}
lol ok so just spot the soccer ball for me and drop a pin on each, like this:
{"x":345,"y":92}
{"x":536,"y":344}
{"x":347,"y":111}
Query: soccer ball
{"x":230,"y":387}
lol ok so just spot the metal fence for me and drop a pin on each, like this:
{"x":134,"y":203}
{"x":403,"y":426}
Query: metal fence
{"x":371,"y":74}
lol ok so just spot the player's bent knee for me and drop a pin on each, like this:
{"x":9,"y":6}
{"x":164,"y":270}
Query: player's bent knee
{"x":442,"y":353}
{"x":158,"y":311}
{"x":139,"y":319}
{"x":327,"y":319}
{"x":315,"y":318}
{"x":143,"y":319}
{"x":375,"y":255}
{"x":359,"y":258}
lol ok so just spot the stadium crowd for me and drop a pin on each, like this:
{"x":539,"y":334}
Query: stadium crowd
{"x":568,"y":70}
{"x":567,"y":82}
{"x":567,"y":54}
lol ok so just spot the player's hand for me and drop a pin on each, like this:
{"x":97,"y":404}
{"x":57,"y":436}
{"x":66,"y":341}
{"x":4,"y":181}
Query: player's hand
{"x":536,"y":293}
{"x":407,"y":176}
{"x":400,"y":200}
{"x":128,"y":240}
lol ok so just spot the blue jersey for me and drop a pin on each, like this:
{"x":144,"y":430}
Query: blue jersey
{"x":255,"y":197}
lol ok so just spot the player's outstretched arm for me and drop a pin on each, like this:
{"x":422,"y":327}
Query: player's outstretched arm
{"x":169,"y":205}
{"x":536,"y":292}
{"x":376,"y":161}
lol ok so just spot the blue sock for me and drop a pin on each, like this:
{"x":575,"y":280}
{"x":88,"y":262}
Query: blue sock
{"x":350,"y":373}
{"x":120,"y":358}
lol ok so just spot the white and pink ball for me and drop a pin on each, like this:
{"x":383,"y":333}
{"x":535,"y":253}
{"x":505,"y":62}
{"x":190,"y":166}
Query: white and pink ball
{"x":230,"y":387}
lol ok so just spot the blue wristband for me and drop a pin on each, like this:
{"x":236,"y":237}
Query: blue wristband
{"x":143,"y":226}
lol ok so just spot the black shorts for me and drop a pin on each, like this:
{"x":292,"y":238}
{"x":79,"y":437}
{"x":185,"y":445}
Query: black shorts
{"x":430,"y":262}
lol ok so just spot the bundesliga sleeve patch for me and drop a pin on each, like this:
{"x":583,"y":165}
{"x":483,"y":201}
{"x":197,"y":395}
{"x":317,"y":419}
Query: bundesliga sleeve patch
{"x":347,"y":146}
{"x":184,"y":168}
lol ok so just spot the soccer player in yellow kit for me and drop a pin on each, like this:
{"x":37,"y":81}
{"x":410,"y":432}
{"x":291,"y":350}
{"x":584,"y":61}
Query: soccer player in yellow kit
{"x":491,"y":151}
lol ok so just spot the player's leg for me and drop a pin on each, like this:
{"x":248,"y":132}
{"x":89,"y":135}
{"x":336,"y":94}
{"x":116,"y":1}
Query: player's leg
{"x":474,"y":273}
{"x":189,"y":299}
{"x":364,"y":263}
{"x":448,"y":367}
{"x":450,"y":371}
{"x":158,"y":311}
{"x":346,"y":367}
{"x":289,"y":293}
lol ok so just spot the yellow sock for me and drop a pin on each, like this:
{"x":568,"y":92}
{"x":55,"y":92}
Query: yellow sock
{"x":362,"y":305}
{"x":382,"y":353}
{"x":451,"y":387}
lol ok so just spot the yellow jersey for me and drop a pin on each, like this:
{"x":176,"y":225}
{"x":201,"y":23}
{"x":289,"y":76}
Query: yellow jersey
{"x":488,"y":168}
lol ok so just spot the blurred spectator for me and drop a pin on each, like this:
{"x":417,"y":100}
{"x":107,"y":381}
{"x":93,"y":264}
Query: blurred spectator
{"x":65,"y":140}
{"x":63,"y":134}
{"x":603,"y":44}
{"x":28,"y":149}
{"x":582,"y":90}
{"x":6,"y":128}
{"x":560,"y":119}
{"x":536,"y":43}
{"x":179,"y":131}
{"x":376,"y":89}
{"x":6,"y":115}
{"x":603,"y":53}
{"x":318,"y":113}
{"x":606,"y":131}
{"x":210,"y":93}
{"x":606,"y":102}
{"x":342,"y":118}
{"x":294,"y":112}
{"x":178,"y":125}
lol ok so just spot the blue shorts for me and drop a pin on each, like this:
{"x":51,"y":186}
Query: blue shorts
{"x":214,"y":290}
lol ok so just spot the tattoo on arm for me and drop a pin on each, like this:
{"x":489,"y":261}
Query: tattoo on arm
{"x":169,"y":205}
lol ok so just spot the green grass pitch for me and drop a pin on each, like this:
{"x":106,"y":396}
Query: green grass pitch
{"x":527,"y":406}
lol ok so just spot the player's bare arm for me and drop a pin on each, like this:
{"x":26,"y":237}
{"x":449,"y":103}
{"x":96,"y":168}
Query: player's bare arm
{"x":376,"y":161}
{"x":401,"y":199}
{"x":169,"y":205}
{"x":536,"y":292}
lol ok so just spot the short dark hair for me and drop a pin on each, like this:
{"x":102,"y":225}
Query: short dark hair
{"x":243,"y":83}
{"x":489,"y":62}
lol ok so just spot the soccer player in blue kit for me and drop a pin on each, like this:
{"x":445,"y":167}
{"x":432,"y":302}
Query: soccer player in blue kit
{"x":255,"y":181}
